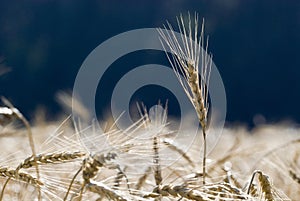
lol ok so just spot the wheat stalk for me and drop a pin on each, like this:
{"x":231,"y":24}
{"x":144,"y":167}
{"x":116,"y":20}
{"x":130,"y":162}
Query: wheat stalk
{"x":71,"y":183}
{"x":156,"y":167}
{"x":19,"y":176}
{"x":90,"y":169}
{"x":43,"y":159}
{"x":207,"y":193}
{"x":103,"y":190}
{"x":16,"y":113}
{"x":91,"y":166}
{"x":176,"y":191}
{"x":186,"y":63}
{"x":93,"y":163}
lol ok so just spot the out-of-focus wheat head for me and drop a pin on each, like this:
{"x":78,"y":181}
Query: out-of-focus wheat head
{"x":3,"y":68}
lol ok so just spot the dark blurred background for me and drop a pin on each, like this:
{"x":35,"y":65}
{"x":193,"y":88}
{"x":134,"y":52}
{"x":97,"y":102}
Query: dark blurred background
{"x":256,"y":46}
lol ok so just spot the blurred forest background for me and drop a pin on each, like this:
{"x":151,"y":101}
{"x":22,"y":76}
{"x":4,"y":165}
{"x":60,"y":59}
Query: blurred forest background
{"x":255,"y":45}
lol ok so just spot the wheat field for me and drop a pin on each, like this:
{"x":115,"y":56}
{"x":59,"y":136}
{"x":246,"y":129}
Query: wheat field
{"x":267,"y":156}
{"x":73,"y":159}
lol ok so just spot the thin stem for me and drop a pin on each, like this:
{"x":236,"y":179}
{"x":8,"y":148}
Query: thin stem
{"x":71,"y":183}
{"x":157,"y":168}
{"x":4,"y":186}
{"x":204,"y":156}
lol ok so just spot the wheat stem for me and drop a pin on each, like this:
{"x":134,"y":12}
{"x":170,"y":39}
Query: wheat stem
{"x":71,"y":183}
{"x":186,"y":52}
{"x":204,"y":156}
{"x":157,"y":168}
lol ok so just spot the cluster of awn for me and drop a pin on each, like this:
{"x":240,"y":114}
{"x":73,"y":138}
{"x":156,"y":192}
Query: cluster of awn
{"x":87,"y":163}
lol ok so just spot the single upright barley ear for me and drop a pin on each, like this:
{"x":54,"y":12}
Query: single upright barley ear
{"x":187,"y":60}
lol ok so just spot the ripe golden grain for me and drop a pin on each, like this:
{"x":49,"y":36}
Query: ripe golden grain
{"x":43,"y":159}
{"x":19,"y":176}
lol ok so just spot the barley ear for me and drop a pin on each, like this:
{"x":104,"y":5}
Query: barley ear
{"x":43,"y":159}
{"x":103,"y":190}
{"x":188,"y":60}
